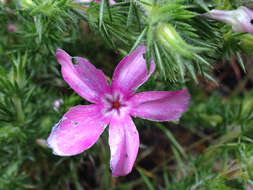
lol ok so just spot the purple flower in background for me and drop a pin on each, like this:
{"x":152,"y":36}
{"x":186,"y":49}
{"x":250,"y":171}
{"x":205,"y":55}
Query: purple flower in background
{"x":249,"y":188}
{"x":57,"y":104}
{"x":82,"y":125}
{"x":12,"y":28}
{"x":240,"y":19}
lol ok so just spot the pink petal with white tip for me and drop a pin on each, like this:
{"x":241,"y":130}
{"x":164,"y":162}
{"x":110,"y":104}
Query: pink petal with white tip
{"x":124,"y":145}
{"x":78,"y":130}
{"x":84,"y":78}
{"x":131,"y":72}
{"x":159,"y":105}
{"x":240,"y":19}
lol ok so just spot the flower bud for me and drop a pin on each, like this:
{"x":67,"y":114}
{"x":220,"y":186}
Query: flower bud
{"x":42,"y":142}
{"x":171,"y":40}
{"x":27,"y":3}
{"x":240,"y":19}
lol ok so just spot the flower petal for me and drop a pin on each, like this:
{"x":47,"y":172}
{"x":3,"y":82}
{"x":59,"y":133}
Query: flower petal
{"x":245,"y":17}
{"x":249,"y":188}
{"x":131,"y":72}
{"x":85,"y":1}
{"x":78,"y":130}
{"x":124,"y":145}
{"x":112,"y":2}
{"x":159,"y":105}
{"x":84,"y":78}
{"x":239,"y":19}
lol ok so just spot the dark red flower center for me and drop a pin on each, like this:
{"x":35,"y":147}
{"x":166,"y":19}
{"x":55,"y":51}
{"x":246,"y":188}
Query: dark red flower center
{"x":116,"y":105}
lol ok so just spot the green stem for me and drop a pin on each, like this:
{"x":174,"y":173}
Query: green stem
{"x":75,"y":177}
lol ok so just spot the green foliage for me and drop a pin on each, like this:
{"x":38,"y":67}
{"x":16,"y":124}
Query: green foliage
{"x":170,"y":31}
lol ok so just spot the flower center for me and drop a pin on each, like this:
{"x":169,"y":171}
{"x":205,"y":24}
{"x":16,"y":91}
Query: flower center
{"x":115,"y":105}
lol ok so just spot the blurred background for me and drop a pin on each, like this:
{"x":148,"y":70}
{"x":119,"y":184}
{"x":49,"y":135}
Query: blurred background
{"x":209,"y":148}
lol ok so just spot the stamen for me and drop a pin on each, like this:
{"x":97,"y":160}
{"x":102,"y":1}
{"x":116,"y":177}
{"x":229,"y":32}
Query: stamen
{"x":116,"y":105}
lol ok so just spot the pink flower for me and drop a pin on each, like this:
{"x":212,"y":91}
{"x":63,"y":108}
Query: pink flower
{"x":88,"y":1}
{"x":240,"y":19}
{"x":12,"y":28}
{"x":82,"y":125}
{"x":249,"y":188}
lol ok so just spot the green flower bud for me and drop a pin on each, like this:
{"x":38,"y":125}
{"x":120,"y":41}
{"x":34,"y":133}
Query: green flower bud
{"x":170,"y":39}
{"x":246,"y":44}
{"x":27,"y":3}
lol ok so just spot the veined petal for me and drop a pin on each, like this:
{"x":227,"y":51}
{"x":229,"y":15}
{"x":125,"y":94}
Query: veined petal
{"x":84,"y":78}
{"x":124,"y":145}
{"x":159,"y":105}
{"x":240,"y":19}
{"x":131,"y":72}
{"x":78,"y":130}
